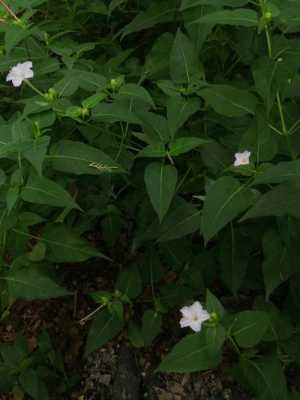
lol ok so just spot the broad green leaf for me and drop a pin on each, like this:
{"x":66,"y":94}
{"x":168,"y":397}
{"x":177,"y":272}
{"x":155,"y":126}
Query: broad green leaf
{"x":131,"y":91}
{"x":89,"y":81}
{"x":225,"y":200}
{"x":215,"y":337}
{"x":183,"y":220}
{"x":157,"y":59}
{"x":179,"y":110}
{"x":111,"y":228}
{"x":161,"y":183}
{"x":81,"y":159}
{"x":153,"y":151}
{"x":31,"y":283}
{"x":40,"y":190}
{"x":186,"y":4}
{"x":65,"y":245}
{"x":37,"y":253}
{"x":249,"y":327}
{"x":265,"y":377}
{"x":185,"y":144}
{"x":280,"y":201}
{"x":214,"y":305}
{"x":277,"y":266}
{"x":156,"y":14}
{"x":184,"y":64}
{"x":234,"y":258}
{"x":151,"y":326}
{"x":155,"y":127}
{"x":240,"y":17}
{"x":191,"y":354}
{"x":105,"y":327}
{"x":37,"y":152}
{"x":114,"y":112}
{"x":14,"y":34}
{"x":129,"y":282}
{"x":279,"y":173}
{"x":113,"y":4}
{"x":229,"y":101}
{"x":259,"y":140}
{"x":135,"y":334}
{"x":33,"y":385}
{"x":151,"y":268}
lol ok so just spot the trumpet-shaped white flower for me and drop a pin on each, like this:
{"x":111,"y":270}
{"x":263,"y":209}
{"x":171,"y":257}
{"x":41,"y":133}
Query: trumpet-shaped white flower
{"x":19,"y":73}
{"x":193,"y":316}
{"x":242,"y":158}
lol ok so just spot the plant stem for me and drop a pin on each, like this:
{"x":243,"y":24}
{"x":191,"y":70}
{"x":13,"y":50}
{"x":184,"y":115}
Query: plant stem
{"x":9,"y":10}
{"x":36,"y":90}
{"x":82,"y":321}
{"x":284,"y":128}
{"x":285,"y":131}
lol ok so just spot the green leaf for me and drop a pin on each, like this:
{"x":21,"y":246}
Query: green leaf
{"x":64,"y":245}
{"x":111,"y":228}
{"x":81,"y":159}
{"x":151,"y":268}
{"x":249,"y":327}
{"x":151,"y":326}
{"x":157,"y":59}
{"x":280,"y":201}
{"x":105,"y":327}
{"x":135,"y":334}
{"x":213,"y":305}
{"x":155,"y":127}
{"x":131,"y":91}
{"x":216,"y":3}
{"x":183,"y":220}
{"x":179,"y":110}
{"x":39,"y":190}
{"x":129,"y":282}
{"x":215,"y":337}
{"x":229,"y":101}
{"x":185,"y":144}
{"x":31,"y":283}
{"x":152,"y":151}
{"x":265,"y":377}
{"x":260,"y":140}
{"x":161,"y":183}
{"x":279,"y":173}
{"x":277,"y":265}
{"x":191,"y":354}
{"x":32,"y":384}
{"x":156,"y":14}
{"x":225,"y":200}
{"x":114,"y":112}
{"x":240,"y":17}
{"x":234,"y":258}
{"x":37,"y":152}
{"x":184,"y":64}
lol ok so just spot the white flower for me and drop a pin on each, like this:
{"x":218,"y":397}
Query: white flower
{"x":19,"y":73}
{"x":193,"y":316}
{"x":242,"y":158}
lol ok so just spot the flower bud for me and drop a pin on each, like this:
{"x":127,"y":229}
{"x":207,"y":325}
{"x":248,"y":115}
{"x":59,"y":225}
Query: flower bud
{"x":268,"y":15}
{"x":116,"y":83}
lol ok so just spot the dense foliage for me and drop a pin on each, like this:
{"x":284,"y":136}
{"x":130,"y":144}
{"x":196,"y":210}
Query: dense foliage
{"x":167,"y":131}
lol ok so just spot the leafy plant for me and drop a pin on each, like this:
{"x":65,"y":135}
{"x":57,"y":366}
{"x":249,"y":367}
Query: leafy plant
{"x":170,"y":128}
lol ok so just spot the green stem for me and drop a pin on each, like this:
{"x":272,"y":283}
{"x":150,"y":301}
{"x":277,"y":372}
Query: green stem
{"x":36,"y":90}
{"x":284,"y":128}
{"x":235,"y":346}
{"x":269,"y":42}
{"x":278,"y":99}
